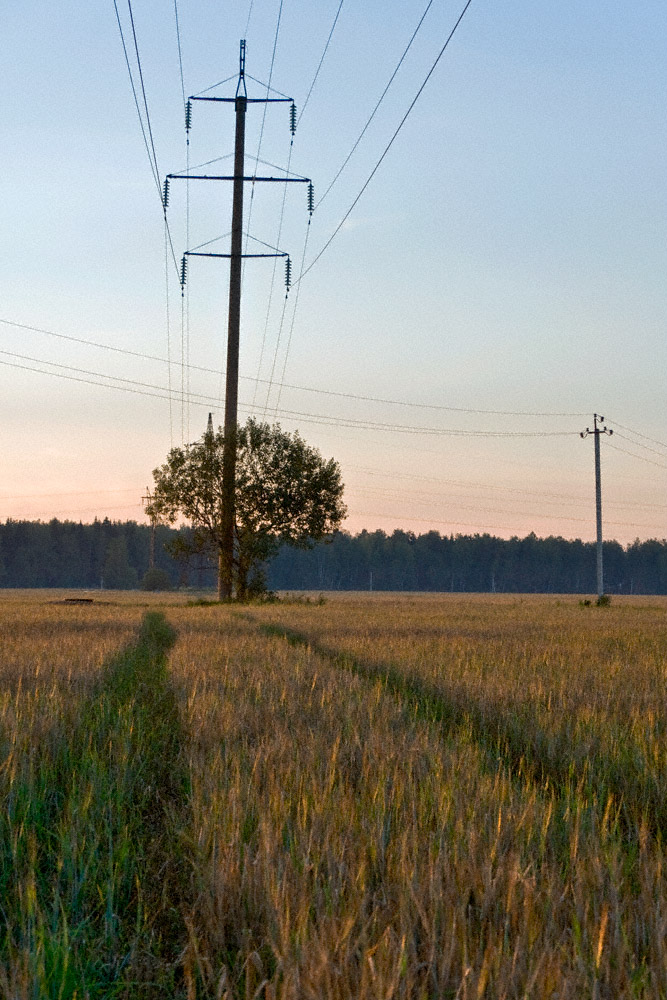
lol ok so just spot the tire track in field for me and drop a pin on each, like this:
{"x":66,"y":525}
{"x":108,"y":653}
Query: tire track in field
{"x":506,"y":740}
{"x":93,"y":908}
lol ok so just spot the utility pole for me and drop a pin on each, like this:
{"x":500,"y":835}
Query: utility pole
{"x":151,"y":552}
{"x":598,"y":429}
{"x":236,"y":256}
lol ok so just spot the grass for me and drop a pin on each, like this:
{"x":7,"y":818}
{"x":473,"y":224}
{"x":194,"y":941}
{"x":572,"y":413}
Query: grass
{"x":388,"y":797}
{"x":90,"y":784}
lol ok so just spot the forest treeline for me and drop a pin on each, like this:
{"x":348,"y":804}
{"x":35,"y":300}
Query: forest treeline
{"x":115,"y":554}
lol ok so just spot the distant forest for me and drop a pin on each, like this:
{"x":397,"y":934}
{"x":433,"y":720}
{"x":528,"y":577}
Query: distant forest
{"x":114,"y":554}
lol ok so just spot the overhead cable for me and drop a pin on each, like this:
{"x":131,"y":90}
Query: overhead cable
{"x":463,"y":524}
{"x":641,"y":458}
{"x":143,"y":90}
{"x":645,"y":437}
{"x":527,"y":513}
{"x":281,"y":384}
{"x":143,"y":388}
{"x":70,"y":493}
{"x":149,"y":145}
{"x":319,"y":65}
{"x":154,"y":170}
{"x":390,"y":143}
{"x":638,"y":444}
{"x":261,"y":131}
{"x":180,"y":52}
{"x":375,"y":109}
{"x":298,"y":388}
{"x":545,"y":496}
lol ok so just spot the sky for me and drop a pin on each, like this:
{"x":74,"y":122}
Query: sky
{"x":499,"y":280}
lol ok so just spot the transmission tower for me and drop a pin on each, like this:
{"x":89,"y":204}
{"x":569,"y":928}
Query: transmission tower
{"x":597,"y":430}
{"x":235,"y":256}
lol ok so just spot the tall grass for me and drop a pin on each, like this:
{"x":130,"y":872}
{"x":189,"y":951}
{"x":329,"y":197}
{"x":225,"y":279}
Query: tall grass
{"x":90,"y":783}
{"x":405,"y":798}
{"x":565,"y":692}
{"x":351,"y":847}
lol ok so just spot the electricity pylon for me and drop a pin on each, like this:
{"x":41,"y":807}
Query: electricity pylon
{"x":596,"y":432}
{"x":236,"y":256}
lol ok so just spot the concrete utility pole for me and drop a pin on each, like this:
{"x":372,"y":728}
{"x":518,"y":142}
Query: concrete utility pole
{"x":236,"y":256}
{"x":596,"y":432}
{"x":226,"y":567}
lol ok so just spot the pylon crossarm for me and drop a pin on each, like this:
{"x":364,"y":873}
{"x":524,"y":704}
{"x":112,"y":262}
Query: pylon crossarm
{"x":232,"y":177}
{"x":194,"y":253}
{"x":250,"y":100}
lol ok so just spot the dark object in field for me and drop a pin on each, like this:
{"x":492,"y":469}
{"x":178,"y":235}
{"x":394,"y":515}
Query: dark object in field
{"x":79,"y":600}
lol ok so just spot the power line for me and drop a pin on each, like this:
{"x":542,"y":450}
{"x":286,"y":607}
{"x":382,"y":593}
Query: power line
{"x":247,"y":25}
{"x":168,"y":321}
{"x":143,"y":91}
{"x":152,"y":158}
{"x":319,"y":65}
{"x":545,"y":496}
{"x":69,"y":493}
{"x":131,"y":385}
{"x":390,"y":143}
{"x":156,"y":176}
{"x":291,"y":329}
{"x":638,"y":444}
{"x":638,"y":434}
{"x":272,"y":285}
{"x":532,"y":514}
{"x":261,"y":131}
{"x":640,"y":457}
{"x":180,"y":51}
{"x":89,"y":510}
{"x":435,"y":407}
{"x":375,"y":109}
{"x":460,"y":524}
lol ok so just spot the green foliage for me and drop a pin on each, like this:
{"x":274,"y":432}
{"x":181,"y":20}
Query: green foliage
{"x":117,"y":573}
{"x":156,"y":579}
{"x":603,"y":601}
{"x":286,"y":493}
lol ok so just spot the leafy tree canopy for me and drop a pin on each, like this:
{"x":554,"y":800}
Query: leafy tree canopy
{"x":286,"y":492}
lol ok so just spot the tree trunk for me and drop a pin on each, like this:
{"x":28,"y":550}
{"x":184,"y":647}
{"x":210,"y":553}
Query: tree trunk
{"x":221,"y":576}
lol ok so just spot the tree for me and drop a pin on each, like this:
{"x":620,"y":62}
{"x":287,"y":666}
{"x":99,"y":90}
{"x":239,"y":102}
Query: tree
{"x":285,"y":493}
{"x":117,"y":572}
{"x":156,"y":579}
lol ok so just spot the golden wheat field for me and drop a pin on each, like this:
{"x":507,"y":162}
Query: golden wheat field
{"x":386,"y":796}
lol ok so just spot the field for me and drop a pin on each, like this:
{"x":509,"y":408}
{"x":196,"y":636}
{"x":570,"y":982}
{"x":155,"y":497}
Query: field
{"x":377,"y":796}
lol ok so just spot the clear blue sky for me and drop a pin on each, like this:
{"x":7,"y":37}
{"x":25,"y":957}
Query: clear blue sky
{"x":509,"y":254}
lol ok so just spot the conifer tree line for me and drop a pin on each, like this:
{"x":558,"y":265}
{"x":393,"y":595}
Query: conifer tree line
{"x":115,"y":555}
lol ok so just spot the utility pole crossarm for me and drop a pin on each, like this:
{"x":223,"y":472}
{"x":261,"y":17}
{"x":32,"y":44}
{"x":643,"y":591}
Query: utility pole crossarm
{"x":249,"y":100}
{"x":197,"y":253}
{"x":233,"y":177}
{"x":597,"y":430}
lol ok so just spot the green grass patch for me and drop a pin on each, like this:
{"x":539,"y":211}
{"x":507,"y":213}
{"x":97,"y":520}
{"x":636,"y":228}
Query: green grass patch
{"x":91,"y":871}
